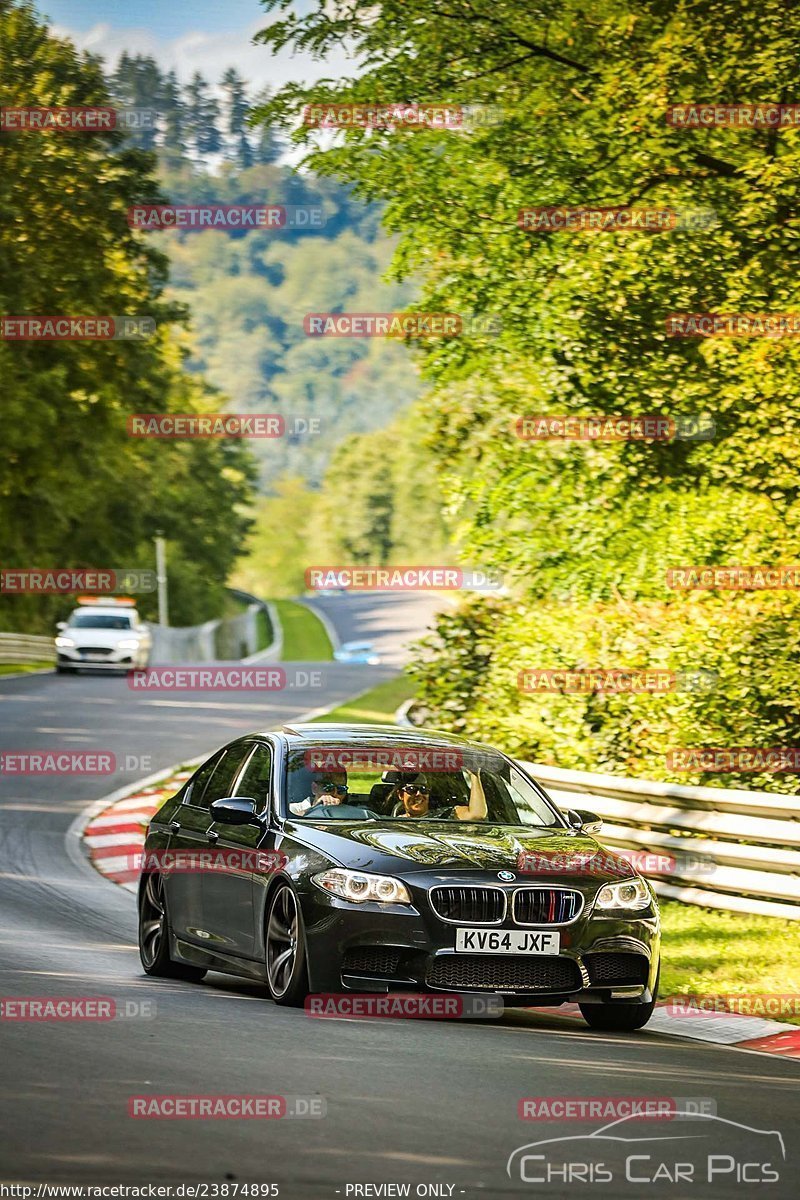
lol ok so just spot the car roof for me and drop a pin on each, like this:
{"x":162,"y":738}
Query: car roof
{"x":300,"y":733}
{"x":115,"y":609}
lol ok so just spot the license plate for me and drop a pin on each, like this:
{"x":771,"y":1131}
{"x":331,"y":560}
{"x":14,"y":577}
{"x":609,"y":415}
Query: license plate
{"x":507,"y":941}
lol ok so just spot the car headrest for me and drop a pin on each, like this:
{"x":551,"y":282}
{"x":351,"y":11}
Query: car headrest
{"x":379,"y":793}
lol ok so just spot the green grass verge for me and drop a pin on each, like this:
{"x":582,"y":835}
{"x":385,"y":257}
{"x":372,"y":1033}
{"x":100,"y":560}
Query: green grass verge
{"x":708,"y":952}
{"x":263,"y":630}
{"x":379,"y":704}
{"x":304,"y":636}
{"x":16,"y":668}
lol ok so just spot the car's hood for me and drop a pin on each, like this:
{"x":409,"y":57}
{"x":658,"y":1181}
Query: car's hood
{"x":554,"y":855}
{"x":99,"y":637}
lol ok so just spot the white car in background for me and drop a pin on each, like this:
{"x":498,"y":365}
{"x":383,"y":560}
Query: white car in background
{"x":104,"y":633}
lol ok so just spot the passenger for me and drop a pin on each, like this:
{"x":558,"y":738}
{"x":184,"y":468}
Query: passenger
{"x":414,"y":796}
{"x":327,"y":787}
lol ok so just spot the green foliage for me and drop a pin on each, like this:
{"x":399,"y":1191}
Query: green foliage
{"x":278,"y":547}
{"x":249,"y":297}
{"x":585,"y":533}
{"x":377,"y":503}
{"x":747,"y":647}
{"x":250,"y":291}
{"x":380,"y":502}
{"x":75,"y":489}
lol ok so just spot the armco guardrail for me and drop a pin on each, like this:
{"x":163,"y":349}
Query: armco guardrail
{"x":726,"y":849}
{"x":226,"y":638}
{"x":26,"y":648}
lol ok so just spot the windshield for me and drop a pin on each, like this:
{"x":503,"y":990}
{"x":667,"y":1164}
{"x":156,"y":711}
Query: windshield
{"x":427,"y":784}
{"x":87,"y":620}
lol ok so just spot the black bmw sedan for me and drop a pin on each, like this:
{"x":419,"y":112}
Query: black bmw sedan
{"x":337,"y":859}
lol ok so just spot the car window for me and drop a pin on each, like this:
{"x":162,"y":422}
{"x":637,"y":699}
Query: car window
{"x":100,"y":621}
{"x":255,"y":778}
{"x":448,"y":780}
{"x":197,"y":785}
{"x":224,"y":776}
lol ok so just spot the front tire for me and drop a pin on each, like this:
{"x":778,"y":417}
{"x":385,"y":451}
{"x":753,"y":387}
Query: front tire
{"x":287,"y":973}
{"x":620,"y":1018}
{"x":154,"y":934}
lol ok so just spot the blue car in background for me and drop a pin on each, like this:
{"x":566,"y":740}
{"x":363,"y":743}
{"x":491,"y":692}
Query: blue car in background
{"x":357,"y":652}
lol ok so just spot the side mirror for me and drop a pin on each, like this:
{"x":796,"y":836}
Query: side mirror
{"x":235,"y":810}
{"x":61,"y":624}
{"x":582,"y":819}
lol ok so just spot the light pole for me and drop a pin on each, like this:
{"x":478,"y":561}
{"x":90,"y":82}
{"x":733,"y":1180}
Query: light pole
{"x":161,"y":578}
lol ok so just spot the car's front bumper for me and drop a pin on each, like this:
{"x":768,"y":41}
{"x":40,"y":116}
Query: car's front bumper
{"x":101,"y":658}
{"x":383,"y":948}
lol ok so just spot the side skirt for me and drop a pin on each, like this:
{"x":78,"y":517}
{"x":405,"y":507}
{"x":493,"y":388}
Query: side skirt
{"x":245,"y":968}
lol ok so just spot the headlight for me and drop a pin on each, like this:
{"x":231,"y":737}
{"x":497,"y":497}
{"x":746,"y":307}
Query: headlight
{"x":633,"y":895}
{"x":64,"y":642}
{"x":128,"y":644}
{"x":359,"y":886}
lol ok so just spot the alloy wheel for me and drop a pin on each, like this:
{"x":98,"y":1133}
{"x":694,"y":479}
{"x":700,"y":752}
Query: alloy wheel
{"x":282,"y":935}
{"x":153,"y":919}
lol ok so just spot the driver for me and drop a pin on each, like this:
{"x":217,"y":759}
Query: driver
{"x":327,"y":787}
{"x":414,"y":794}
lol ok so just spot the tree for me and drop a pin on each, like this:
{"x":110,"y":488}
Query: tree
{"x":583,"y":99}
{"x":75,"y":489}
{"x":267,"y":148}
{"x":137,"y":83}
{"x":202,"y":114}
{"x":174,"y":118}
{"x":236,"y":109}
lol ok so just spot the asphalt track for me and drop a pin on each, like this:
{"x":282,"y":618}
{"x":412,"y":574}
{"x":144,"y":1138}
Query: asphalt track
{"x":408,"y":1102}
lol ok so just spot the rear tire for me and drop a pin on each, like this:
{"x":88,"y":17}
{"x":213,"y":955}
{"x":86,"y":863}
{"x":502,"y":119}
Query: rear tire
{"x":620,"y":1018}
{"x":154,"y":934}
{"x":287,"y":971}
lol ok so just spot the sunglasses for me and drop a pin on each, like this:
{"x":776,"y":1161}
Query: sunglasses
{"x":341,"y":789}
{"x":414,"y":789}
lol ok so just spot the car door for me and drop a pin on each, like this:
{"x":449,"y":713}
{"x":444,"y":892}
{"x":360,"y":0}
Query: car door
{"x":228,"y":892}
{"x":191,"y":839}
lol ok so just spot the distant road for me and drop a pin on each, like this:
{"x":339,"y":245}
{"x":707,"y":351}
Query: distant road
{"x":390,"y":620}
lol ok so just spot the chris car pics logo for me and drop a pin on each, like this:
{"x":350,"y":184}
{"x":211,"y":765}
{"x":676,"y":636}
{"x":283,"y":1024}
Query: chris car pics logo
{"x":692,"y":1148}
